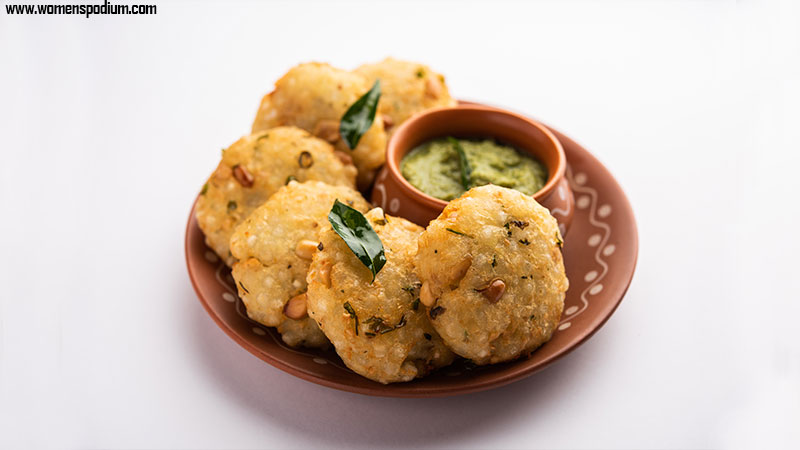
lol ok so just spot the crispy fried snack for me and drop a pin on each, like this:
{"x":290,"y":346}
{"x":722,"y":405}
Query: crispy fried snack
{"x":493,"y":277}
{"x":274,"y":247}
{"x":256,"y":166}
{"x":314,"y":97}
{"x":379,"y":328}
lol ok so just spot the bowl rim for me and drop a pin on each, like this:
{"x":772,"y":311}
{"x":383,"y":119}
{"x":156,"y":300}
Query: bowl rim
{"x":554,"y":175}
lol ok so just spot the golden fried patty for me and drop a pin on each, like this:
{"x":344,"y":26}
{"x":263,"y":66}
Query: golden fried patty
{"x":314,"y":97}
{"x":379,"y":328}
{"x":493,"y":277}
{"x":274,"y":246}
{"x":252,"y":169}
{"x":407,"y":88}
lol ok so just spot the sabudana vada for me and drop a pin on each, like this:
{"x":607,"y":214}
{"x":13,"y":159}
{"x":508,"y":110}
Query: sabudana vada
{"x":256,"y":166}
{"x":314,"y":97}
{"x":274,"y":246}
{"x":407,"y":88}
{"x":378,"y":328}
{"x":492,"y":273}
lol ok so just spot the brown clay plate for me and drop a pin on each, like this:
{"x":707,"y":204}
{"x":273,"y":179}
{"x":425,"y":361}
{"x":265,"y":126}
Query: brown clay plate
{"x":599,"y":253}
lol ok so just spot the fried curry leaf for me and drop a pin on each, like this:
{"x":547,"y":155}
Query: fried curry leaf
{"x":359,"y":116}
{"x":352,"y":313}
{"x":357,"y":233}
{"x":378,"y":325}
{"x":466,"y":170}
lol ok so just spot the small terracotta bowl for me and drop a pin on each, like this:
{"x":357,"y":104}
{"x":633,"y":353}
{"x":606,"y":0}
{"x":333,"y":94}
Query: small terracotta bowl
{"x":398,"y":197}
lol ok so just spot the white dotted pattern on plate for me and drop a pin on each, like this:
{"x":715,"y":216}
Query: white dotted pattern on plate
{"x":588,"y":199}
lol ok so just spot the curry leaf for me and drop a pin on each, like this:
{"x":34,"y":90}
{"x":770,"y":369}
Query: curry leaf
{"x":357,"y":233}
{"x":466,"y":170}
{"x":359,"y":116}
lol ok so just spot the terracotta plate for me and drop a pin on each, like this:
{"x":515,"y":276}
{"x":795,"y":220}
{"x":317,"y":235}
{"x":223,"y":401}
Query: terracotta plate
{"x":600,"y":256}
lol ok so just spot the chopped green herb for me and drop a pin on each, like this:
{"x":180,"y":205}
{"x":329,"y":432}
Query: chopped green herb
{"x":320,"y":247}
{"x":559,"y":241}
{"x":412,"y":289}
{"x":466,"y":170}
{"x":456,"y":232}
{"x":533,"y":316}
{"x":356,"y":232}
{"x":519,"y":223}
{"x":305,"y":160}
{"x":427,"y":336}
{"x":436,"y":311}
{"x":494,"y":260}
{"x":415,"y":304}
{"x":232,"y":206}
{"x":377,"y":325}
{"x":352,"y":313}
{"x":524,"y":242}
{"x":204,"y":190}
{"x":359,"y":117}
{"x":420,"y":73}
{"x":290,"y":178}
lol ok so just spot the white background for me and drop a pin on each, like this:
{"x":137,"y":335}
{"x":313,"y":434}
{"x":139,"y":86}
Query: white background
{"x":109,"y":126}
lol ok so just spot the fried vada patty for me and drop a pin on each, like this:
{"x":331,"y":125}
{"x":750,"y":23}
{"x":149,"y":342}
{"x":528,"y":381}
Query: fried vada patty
{"x":493,"y":276}
{"x":252,"y":169}
{"x":378,"y":328}
{"x":407,"y":88}
{"x":314,"y":97}
{"x":274,"y":246}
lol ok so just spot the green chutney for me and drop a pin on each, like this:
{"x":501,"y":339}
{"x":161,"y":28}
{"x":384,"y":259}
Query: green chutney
{"x":435,"y":167}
